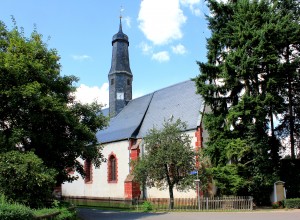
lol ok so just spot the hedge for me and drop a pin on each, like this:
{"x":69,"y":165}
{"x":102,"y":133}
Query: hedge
{"x":292,"y":203}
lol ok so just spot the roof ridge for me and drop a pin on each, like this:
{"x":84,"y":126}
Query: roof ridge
{"x":162,"y":89}
{"x":137,"y":130}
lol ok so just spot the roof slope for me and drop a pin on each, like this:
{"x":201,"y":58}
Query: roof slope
{"x":179,"y":101}
{"x":143,"y":113}
{"x":124,"y":124}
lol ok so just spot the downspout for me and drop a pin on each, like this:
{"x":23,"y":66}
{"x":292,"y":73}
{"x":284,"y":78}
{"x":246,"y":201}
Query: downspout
{"x":144,"y":189}
{"x":129,"y":148}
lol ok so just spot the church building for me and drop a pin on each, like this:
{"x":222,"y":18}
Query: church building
{"x":130,"y":120}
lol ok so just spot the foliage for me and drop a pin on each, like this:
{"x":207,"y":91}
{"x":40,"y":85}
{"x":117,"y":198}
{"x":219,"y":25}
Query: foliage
{"x":288,"y":69}
{"x":147,"y":206}
{"x":278,"y":205}
{"x":227,"y":178}
{"x":14,"y":211}
{"x":25,"y":179}
{"x":204,"y":174}
{"x":168,"y":159}
{"x":292,"y":203}
{"x":64,"y":209}
{"x":67,"y":211}
{"x":289,"y":173}
{"x":247,"y":81}
{"x":38,"y":111}
{"x":45,"y":211}
{"x":67,"y":214}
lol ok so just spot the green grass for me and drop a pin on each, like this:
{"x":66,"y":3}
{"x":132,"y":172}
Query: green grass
{"x":103,"y":204}
{"x":45,"y":211}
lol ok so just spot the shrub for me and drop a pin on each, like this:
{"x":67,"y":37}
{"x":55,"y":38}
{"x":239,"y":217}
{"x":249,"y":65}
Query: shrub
{"x":292,"y":203}
{"x":147,"y":206}
{"x":14,"y":211}
{"x":67,"y":211}
{"x":277,"y":205}
{"x":289,"y":173}
{"x":67,"y":214}
{"x":25,"y":179}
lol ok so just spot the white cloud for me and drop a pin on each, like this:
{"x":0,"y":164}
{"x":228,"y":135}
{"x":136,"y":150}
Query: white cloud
{"x":161,"y":21}
{"x":197,"y":12}
{"x":194,"y":6}
{"x":190,"y":2}
{"x":179,"y":49}
{"x":86,"y":94}
{"x":162,"y":56}
{"x":81,"y":57}
{"x":127,"y":20}
{"x":146,"y":48}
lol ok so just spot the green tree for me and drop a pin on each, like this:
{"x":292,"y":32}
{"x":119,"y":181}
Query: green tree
{"x":168,"y":159}
{"x":37,"y":107}
{"x":25,"y":179}
{"x":242,"y":83}
{"x":288,"y":47}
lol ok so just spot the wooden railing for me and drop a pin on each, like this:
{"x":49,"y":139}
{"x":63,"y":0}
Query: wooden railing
{"x":228,"y":203}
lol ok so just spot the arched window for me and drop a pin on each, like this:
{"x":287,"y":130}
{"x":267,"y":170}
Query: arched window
{"x":88,"y":171}
{"x":112,"y":168}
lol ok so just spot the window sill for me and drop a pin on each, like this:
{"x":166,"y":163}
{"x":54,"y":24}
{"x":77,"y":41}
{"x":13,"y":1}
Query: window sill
{"x":112,"y":181}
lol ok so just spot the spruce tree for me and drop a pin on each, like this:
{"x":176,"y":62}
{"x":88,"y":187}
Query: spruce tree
{"x":243,"y":84}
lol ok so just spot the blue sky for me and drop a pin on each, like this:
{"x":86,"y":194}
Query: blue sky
{"x":166,"y":39}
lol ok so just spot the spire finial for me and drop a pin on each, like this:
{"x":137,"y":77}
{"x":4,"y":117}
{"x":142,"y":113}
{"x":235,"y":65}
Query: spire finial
{"x":121,"y":10}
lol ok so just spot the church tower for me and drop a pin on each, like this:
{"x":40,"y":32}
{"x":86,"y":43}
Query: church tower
{"x":120,"y":76}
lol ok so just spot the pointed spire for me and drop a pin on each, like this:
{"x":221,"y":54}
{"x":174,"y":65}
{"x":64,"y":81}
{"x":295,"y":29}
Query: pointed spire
{"x":120,"y":57}
{"x":120,"y":26}
{"x":119,"y":76}
{"x":120,"y":35}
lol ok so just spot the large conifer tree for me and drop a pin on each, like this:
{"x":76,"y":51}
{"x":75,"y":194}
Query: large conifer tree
{"x":242,"y":83}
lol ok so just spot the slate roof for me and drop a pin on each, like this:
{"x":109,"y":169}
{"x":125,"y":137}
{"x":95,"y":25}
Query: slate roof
{"x":141,"y":114}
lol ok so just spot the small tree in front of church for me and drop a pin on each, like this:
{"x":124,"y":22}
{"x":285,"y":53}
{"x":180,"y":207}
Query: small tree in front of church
{"x":168,"y":160}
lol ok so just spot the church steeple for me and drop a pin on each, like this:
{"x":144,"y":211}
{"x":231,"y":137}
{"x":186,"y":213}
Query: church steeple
{"x":119,"y":76}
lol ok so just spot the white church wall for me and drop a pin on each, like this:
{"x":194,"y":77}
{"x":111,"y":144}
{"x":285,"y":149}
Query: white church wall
{"x":105,"y":189}
{"x":193,"y":137}
{"x":100,"y":187}
{"x":156,"y":193}
{"x":76,"y":188}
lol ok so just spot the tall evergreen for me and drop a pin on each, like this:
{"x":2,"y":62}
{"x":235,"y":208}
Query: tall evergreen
{"x":288,"y":46}
{"x":243,"y":84}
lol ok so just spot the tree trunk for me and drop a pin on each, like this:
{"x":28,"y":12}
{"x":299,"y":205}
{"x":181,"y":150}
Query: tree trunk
{"x":291,"y":119}
{"x":171,"y":197}
{"x":273,"y":140}
{"x":171,"y":185}
{"x":290,"y":96}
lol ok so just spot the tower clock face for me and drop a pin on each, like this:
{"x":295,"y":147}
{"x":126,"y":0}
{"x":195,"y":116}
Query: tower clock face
{"x":120,"y":95}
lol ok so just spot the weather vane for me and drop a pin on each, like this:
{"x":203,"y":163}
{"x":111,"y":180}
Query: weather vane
{"x":121,"y":10}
